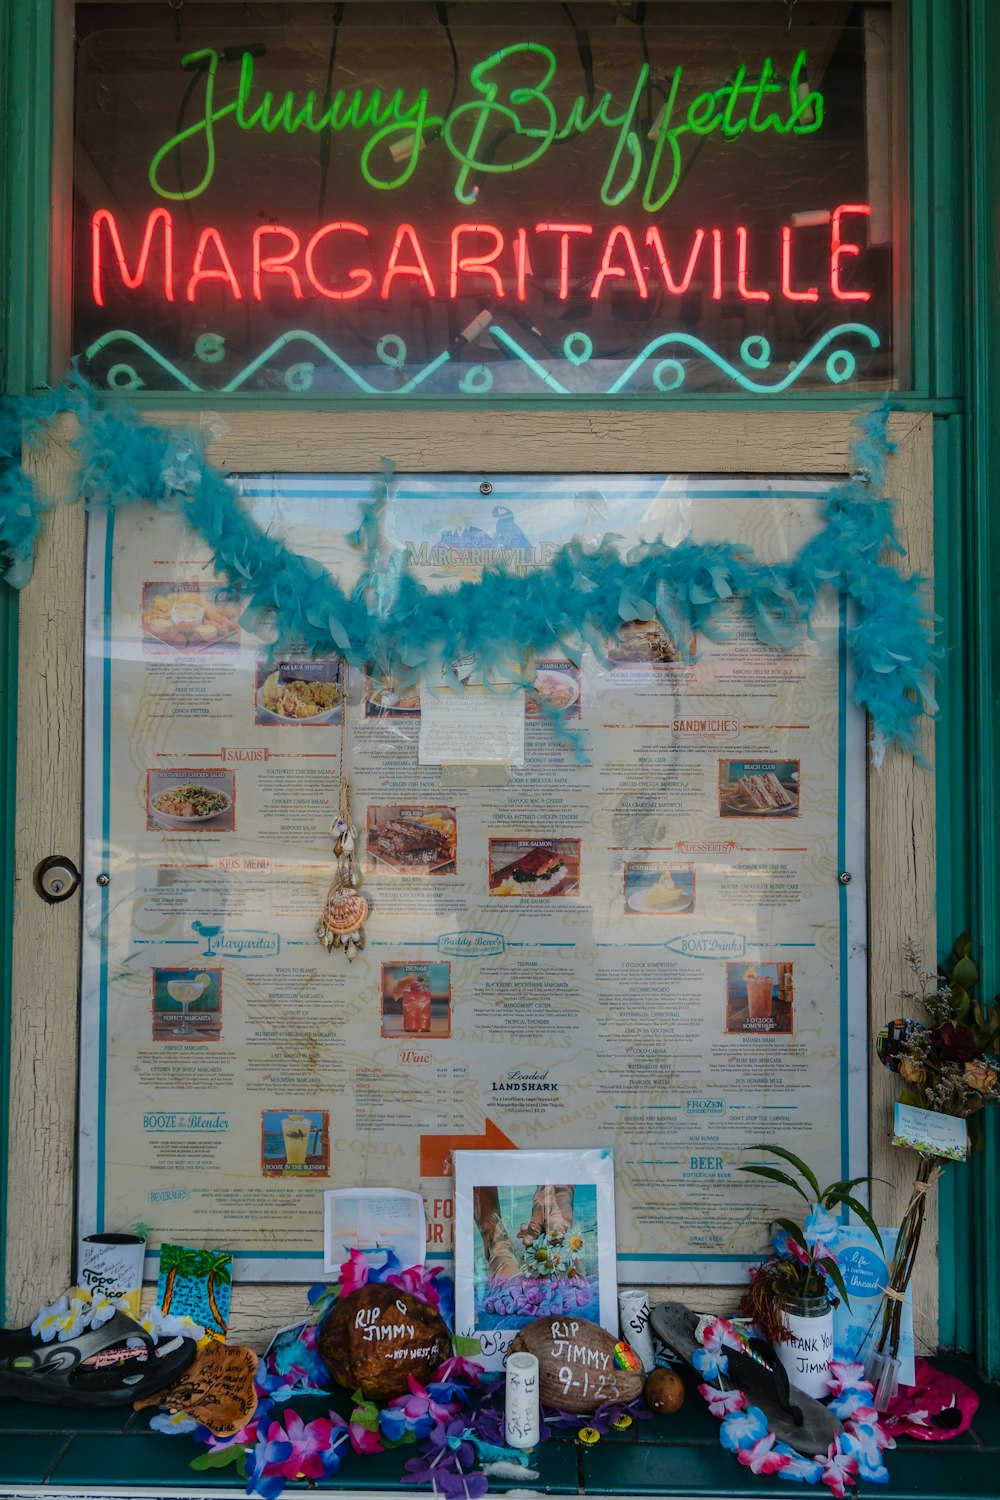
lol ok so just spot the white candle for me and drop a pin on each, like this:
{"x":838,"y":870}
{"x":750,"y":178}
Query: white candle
{"x":522,"y":1419}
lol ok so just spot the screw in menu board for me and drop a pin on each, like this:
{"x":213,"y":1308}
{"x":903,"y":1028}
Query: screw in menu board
{"x":103,"y":879}
{"x":845,"y":877}
{"x":486,"y":488}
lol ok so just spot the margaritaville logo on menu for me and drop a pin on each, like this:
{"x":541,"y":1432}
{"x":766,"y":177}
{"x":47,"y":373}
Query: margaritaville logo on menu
{"x":514,"y":94}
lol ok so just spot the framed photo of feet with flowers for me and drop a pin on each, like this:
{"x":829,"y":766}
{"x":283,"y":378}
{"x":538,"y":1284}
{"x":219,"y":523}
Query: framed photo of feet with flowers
{"x":534,"y":1238}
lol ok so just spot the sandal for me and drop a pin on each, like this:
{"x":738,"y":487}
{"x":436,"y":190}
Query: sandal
{"x":804,"y":1424}
{"x":107,"y":1366}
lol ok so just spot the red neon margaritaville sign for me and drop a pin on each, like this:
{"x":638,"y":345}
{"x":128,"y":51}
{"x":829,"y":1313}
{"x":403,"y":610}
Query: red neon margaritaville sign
{"x":622,"y":239}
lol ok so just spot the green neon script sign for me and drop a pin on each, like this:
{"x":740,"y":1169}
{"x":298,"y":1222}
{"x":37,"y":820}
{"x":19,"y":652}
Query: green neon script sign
{"x":399,"y":127}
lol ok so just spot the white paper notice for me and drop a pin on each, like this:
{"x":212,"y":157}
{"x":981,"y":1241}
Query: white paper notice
{"x":472,"y":724}
{"x":373,"y":1220}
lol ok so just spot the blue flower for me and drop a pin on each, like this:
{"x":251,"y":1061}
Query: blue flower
{"x":392,"y":1424}
{"x":779,"y":1242}
{"x":741,"y":1429}
{"x":868,"y":1454}
{"x":821,"y":1227}
{"x":802,"y":1470}
{"x":708,"y":1365}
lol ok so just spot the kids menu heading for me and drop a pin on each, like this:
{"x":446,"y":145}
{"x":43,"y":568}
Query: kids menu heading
{"x":459,"y":235}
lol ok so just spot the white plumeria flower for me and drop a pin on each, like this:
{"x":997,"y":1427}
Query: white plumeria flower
{"x":50,"y":1320}
{"x":172,"y":1422}
{"x":159,"y":1324}
{"x":76,"y":1320}
{"x":102,"y":1312}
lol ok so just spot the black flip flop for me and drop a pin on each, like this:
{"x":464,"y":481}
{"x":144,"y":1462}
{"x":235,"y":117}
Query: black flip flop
{"x":804,"y":1424}
{"x":107,"y":1366}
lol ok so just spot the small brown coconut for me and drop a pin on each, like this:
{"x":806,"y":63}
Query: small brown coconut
{"x":664,"y":1392}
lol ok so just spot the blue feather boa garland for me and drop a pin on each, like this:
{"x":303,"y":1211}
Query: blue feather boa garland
{"x":578,"y":600}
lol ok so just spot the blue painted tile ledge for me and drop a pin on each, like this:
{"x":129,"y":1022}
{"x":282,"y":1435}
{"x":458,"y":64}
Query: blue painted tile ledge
{"x":49,"y":1450}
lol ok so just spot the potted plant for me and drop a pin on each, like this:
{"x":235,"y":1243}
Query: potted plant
{"x":792,"y":1294}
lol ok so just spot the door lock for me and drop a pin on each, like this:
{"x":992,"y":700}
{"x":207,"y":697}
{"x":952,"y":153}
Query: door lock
{"x":56,"y":878}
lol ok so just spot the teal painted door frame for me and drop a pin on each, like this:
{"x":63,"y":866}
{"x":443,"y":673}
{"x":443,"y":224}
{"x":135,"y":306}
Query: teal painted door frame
{"x":955,"y":181}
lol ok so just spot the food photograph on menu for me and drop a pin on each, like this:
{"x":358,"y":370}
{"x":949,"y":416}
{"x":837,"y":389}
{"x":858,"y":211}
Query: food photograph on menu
{"x":189,"y":617}
{"x":191,"y":801}
{"x":758,"y":788}
{"x":759,"y":998}
{"x":299,"y":691}
{"x":534,"y":867}
{"x":416,"y":1000}
{"x":645,"y":643}
{"x":658,"y":890}
{"x":407,"y":840}
{"x":295,"y":1143}
{"x":187,"y":1005}
{"x":556,"y":688}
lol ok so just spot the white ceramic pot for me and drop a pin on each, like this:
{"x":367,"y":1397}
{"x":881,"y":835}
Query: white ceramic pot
{"x":807,"y":1349}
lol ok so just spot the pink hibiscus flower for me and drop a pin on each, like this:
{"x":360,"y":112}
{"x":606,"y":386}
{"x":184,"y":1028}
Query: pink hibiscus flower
{"x":718,"y":1335}
{"x":846,"y":1374}
{"x":840,"y":1469}
{"x":458,"y":1368}
{"x":420,"y":1403}
{"x":761,"y":1459}
{"x":721,"y":1403}
{"x":354,"y":1272}
{"x":418,"y":1282}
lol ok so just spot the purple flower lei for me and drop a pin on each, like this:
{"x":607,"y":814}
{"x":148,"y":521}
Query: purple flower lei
{"x":854,"y":1454}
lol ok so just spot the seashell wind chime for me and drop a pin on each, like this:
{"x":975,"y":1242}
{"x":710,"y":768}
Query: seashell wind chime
{"x":342,"y":924}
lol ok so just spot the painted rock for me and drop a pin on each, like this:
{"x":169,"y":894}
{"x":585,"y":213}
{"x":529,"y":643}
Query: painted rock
{"x":580,"y":1365}
{"x":378,"y":1336}
{"x":664,"y":1392}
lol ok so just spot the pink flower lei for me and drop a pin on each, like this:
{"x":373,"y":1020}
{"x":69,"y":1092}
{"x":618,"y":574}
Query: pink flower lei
{"x":854,"y":1454}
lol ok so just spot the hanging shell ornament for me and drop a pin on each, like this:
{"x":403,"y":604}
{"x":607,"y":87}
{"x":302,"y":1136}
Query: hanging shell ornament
{"x":345,"y":910}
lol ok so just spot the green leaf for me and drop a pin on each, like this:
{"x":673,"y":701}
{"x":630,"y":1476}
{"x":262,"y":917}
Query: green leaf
{"x":910,"y":1096}
{"x":468,"y":1348}
{"x":773,"y":1175}
{"x":862,"y":1213}
{"x":833,"y":1271}
{"x":795,"y":1230}
{"x":840,"y":1187}
{"x":965,"y":973}
{"x":218,"y":1458}
{"x":793,"y":1160}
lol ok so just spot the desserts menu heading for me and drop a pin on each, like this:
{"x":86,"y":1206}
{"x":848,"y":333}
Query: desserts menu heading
{"x":649,"y":948}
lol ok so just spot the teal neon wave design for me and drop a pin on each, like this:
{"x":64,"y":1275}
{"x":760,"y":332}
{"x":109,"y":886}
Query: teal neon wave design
{"x":668,"y":375}
{"x":140,"y":343}
{"x":689,"y":341}
{"x":317,"y":343}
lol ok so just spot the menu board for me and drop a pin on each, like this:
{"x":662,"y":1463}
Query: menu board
{"x":651,"y":939}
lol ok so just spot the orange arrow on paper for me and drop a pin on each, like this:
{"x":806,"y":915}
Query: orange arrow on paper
{"x":435,"y":1150}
